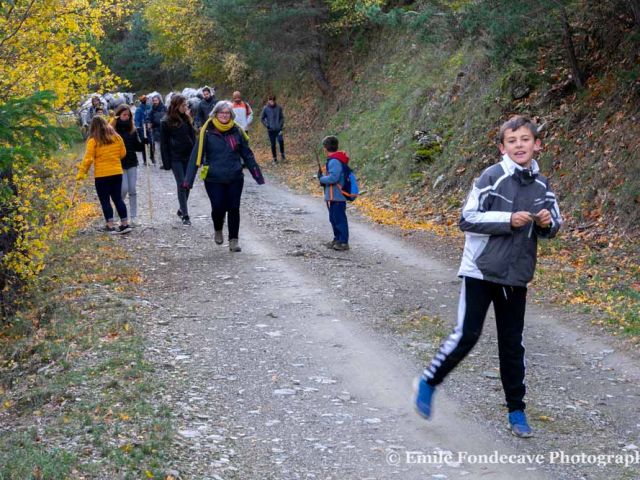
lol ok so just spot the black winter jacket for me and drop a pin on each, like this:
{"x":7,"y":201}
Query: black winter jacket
{"x":203,"y":110}
{"x":494,"y":250}
{"x":131,"y":142}
{"x":176,"y":142}
{"x":224,"y":153}
{"x":272,"y":117}
{"x":156,"y":114}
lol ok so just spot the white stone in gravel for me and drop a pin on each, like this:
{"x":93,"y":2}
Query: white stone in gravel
{"x":323,"y":380}
{"x":276,"y":333}
{"x":181,"y":357}
{"x":372,"y":421}
{"x":631,"y":446}
{"x":261,"y":325}
{"x":189,"y":433}
{"x":271,"y":423}
{"x":439,"y":475}
{"x":284,"y":391}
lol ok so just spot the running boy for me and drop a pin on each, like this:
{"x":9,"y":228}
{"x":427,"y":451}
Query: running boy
{"x":333,"y":180}
{"x":509,"y":207}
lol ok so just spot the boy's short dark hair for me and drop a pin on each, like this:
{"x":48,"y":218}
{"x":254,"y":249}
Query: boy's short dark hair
{"x":331,"y":143}
{"x":516,"y":122}
{"x":272,"y":97}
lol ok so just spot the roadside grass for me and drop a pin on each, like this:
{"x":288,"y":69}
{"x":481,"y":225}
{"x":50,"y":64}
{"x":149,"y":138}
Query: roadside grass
{"x":77,"y":398}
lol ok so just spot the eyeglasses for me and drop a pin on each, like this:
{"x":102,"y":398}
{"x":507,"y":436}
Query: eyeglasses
{"x":224,"y":113}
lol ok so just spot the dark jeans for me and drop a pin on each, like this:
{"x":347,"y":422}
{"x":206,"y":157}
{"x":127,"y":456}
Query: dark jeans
{"x":179,"y":169}
{"x":338,"y":219}
{"x":110,"y":188}
{"x":273,"y":136}
{"x":225,"y":199}
{"x":509,"y":306}
{"x":144,"y":144}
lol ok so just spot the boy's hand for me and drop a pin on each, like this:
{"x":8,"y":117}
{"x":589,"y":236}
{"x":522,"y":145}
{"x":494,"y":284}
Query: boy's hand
{"x":542,"y":218}
{"x":520,"y":219}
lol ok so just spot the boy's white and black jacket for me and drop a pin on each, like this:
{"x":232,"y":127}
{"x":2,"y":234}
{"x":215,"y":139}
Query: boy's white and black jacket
{"x":494,"y":250}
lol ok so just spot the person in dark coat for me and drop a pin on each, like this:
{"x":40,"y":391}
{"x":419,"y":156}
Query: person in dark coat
{"x":124,"y":126}
{"x":177,"y":139}
{"x":204,"y":107}
{"x":156,"y":114}
{"x":222,"y":147}
{"x":273,"y":119}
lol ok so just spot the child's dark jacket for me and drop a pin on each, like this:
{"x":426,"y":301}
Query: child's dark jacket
{"x":494,"y":250}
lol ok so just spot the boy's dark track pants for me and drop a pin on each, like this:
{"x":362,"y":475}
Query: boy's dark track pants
{"x":509,"y":305}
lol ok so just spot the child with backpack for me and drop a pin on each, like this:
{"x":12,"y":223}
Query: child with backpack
{"x":105,"y":149}
{"x":509,"y":207}
{"x":339,"y":187}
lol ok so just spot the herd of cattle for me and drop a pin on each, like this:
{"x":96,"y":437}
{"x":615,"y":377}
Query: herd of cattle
{"x":111,"y":101}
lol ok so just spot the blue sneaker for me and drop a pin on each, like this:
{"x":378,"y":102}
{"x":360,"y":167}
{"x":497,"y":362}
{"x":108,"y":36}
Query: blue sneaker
{"x":422,"y":397}
{"x":519,"y":425}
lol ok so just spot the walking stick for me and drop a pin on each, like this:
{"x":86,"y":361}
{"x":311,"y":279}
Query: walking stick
{"x":66,"y":217}
{"x":148,"y":175}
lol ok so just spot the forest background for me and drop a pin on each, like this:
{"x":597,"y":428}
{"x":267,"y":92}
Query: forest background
{"x":414,"y":89}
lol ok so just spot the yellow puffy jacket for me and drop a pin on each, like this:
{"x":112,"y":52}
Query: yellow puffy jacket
{"x":105,"y":158}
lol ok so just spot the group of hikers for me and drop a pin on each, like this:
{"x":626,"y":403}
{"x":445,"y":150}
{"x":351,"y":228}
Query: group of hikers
{"x":508,"y":208}
{"x":185,"y":141}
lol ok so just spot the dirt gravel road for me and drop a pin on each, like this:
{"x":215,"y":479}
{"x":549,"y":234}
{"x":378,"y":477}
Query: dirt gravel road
{"x":292,"y":361}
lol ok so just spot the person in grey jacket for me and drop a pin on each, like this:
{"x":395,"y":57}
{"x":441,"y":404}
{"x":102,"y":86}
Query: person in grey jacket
{"x":510,"y":206}
{"x":204,"y":107}
{"x":273,"y":119}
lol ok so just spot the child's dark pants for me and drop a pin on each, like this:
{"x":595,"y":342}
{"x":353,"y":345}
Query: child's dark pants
{"x":225,"y":199}
{"x":110,"y":188}
{"x":338,"y":219}
{"x":509,"y":307}
{"x":273,"y":136}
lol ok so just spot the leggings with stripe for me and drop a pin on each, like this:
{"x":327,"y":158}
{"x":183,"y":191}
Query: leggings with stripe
{"x":509,"y":306}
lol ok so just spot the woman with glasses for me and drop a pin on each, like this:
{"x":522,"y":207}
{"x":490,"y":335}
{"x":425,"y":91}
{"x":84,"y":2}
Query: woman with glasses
{"x":222,"y":147}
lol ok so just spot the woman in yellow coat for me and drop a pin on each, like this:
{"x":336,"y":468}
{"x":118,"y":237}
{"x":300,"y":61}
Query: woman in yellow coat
{"x":105,"y":149}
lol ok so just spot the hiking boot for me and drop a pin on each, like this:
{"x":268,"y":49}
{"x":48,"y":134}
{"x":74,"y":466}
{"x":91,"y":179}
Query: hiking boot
{"x":179,"y":213}
{"x":284,"y":159}
{"x":217,"y":237}
{"x":275,"y":160}
{"x":341,"y":246}
{"x":519,"y":425}
{"x":185,"y":220}
{"x":108,"y":229}
{"x":122,"y":229}
{"x":330,"y":244}
{"x":233,"y":245}
{"x":423,"y":397}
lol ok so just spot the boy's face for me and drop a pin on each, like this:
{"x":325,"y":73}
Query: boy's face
{"x":520,"y":145}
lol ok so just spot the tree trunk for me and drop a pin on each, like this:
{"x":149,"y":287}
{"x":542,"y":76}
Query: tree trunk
{"x":318,"y":75}
{"x":635,"y":9}
{"x":318,"y":48}
{"x":567,"y":38}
